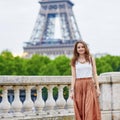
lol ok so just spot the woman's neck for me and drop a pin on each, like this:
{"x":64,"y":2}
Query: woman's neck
{"x":81,"y":56}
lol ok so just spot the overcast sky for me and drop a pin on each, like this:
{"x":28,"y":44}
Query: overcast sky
{"x":98,"y":22}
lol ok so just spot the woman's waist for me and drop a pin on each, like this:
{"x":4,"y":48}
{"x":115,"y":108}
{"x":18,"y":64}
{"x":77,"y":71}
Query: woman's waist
{"x":84,"y":78}
{"x":83,"y":74}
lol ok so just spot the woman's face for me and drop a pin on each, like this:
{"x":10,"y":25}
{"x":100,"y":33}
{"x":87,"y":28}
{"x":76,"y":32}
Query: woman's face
{"x":80,"y":48}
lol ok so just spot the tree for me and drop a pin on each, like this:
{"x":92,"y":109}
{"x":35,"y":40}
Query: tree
{"x":35,"y":65}
{"x":49,"y":69}
{"x":6,"y":63}
{"x":42,"y":65}
{"x":63,"y":65}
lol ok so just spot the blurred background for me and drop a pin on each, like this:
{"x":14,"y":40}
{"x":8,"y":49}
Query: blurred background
{"x":98,"y":22}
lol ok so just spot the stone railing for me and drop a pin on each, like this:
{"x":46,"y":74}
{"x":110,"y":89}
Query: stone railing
{"x":110,"y":95}
{"x":16,"y":109}
{"x":13,"y":107}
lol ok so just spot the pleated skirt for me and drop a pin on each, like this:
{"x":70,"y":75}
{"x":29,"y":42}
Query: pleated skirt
{"x":86,"y":102}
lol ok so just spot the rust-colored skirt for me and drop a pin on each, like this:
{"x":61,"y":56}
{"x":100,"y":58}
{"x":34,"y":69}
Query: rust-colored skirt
{"x":86,"y":102}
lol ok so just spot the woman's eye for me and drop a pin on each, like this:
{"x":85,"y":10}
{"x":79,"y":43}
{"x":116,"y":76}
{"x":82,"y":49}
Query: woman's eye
{"x":81,"y":47}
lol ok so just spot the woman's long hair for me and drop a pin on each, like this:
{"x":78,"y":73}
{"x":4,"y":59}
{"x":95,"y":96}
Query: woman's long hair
{"x":76,"y":54}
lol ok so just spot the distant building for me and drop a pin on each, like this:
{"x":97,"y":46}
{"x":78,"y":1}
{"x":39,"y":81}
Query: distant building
{"x":55,"y":30}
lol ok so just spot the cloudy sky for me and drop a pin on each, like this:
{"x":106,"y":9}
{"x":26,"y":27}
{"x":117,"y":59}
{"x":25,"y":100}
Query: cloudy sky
{"x":98,"y":22}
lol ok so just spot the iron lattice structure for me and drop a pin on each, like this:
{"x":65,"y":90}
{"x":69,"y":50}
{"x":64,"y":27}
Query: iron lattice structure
{"x":55,"y":30}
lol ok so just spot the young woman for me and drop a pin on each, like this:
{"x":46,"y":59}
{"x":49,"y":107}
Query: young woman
{"x":84,"y":79}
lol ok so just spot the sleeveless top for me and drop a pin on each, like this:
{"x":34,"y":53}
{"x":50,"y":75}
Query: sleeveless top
{"x":83,"y":70}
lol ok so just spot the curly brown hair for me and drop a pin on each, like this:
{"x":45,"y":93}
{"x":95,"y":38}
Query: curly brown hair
{"x":76,"y":54}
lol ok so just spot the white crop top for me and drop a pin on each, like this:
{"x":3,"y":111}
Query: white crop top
{"x":83,"y":70}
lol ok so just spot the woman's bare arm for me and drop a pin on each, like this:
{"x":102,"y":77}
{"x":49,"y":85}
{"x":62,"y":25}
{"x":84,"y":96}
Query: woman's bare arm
{"x":73,"y":80}
{"x":95,"y":76}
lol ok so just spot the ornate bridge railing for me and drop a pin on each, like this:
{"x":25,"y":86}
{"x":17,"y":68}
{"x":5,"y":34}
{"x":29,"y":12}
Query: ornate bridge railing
{"x":13,"y":106}
{"x":22,"y":97}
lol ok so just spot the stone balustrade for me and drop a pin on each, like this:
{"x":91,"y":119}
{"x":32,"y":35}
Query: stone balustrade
{"x":29,"y":109}
{"x":110,"y":95}
{"x":12,"y":107}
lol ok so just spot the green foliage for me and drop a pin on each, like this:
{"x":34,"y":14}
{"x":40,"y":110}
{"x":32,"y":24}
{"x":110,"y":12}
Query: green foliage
{"x":44,"y":93}
{"x":19,"y":66}
{"x":55,"y":93}
{"x":62,"y":65}
{"x":0,"y":91}
{"x":6,"y":63}
{"x":42,"y":65}
{"x":66,"y":93}
{"x":49,"y":69}
{"x":108,"y":63}
{"x":36,"y":64}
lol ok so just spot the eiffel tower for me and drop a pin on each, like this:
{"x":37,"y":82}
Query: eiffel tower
{"x":55,"y":30}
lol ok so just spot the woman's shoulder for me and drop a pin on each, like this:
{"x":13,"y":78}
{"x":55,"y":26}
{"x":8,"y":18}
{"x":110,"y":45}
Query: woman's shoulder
{"x":91,"y":56}
{"x":92,"y":59}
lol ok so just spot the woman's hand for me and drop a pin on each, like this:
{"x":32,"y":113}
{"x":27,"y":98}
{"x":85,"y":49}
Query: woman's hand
{"x":72,"y":95}
{"x":98,"y":92}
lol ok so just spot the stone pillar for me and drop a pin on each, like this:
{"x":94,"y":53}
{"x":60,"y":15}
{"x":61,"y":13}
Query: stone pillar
{"x":106,"y":97}
{"x":70,"y":101}
{"x":60,"y":101}
{"x":16,"y":104}
{"x":116,"y":98}
{"x":110,"y":97}
{"x":5,"y":105}
{"x":28,"y":103}
{"x":50,"y":103}
{"x":39,"y":103}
